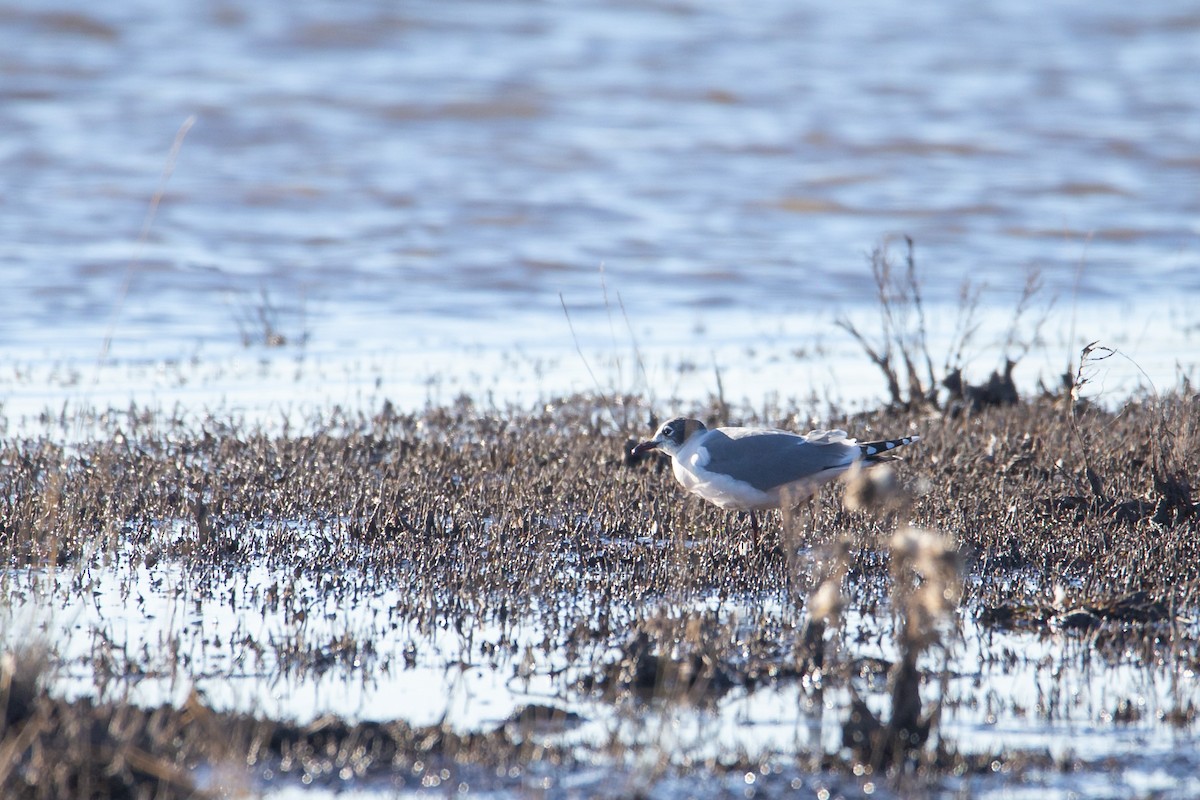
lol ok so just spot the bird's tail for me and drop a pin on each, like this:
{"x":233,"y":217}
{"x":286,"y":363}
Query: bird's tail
{"x":879,"y":451}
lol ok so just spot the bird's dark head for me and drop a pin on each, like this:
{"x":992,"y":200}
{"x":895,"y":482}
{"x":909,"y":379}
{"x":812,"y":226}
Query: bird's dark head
{"x":671,"y":436}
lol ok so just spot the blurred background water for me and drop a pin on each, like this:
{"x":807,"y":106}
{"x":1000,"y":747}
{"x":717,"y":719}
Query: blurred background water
{"x":407,"y":193}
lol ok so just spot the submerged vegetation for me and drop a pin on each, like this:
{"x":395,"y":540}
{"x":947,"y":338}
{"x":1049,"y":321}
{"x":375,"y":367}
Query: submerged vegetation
{"x":540,"y":549}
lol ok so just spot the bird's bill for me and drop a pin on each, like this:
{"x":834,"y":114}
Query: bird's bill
{"x":644,"y":447}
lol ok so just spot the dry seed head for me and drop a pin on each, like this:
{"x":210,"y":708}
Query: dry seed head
{"x":929,"y":553}
{"x":906,"y":545}
{"x":930,"y":559}
{"x":826,"y":602}
{"x":874,"y":489}
{"x":934,"y":599}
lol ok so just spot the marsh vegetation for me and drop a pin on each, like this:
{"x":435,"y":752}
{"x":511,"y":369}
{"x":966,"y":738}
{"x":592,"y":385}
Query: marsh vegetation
{"x":1020,"y":555}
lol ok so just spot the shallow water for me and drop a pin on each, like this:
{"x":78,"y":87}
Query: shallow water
{"x":273,"y":641}
{"x":417,"y":185}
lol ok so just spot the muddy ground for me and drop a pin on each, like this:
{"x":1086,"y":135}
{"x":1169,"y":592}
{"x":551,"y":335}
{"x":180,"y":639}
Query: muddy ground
{"x":1051,"y":516}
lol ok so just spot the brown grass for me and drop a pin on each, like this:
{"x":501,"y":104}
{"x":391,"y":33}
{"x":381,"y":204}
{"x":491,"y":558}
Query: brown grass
{"x":518,"y":516}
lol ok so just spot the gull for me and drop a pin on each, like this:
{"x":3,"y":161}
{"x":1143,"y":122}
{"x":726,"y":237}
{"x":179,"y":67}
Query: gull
{"x":753,"y":469}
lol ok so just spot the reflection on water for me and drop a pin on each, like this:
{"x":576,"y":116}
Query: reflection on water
{"x":389,"y":174}
{"x":279,"y":642}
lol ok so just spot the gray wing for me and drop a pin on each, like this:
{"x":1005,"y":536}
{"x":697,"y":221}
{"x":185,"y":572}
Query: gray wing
{"x":773,"y":458}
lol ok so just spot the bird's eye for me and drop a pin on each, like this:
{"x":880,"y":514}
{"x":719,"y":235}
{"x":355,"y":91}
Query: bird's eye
{"x":668,"y":430}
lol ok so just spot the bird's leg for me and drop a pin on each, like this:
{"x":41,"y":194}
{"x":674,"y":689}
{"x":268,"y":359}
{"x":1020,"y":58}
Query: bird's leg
{"x":754,"y":528}
{"x":798,"y":533}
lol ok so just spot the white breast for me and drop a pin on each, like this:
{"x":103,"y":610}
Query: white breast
{"x":718,"y":489}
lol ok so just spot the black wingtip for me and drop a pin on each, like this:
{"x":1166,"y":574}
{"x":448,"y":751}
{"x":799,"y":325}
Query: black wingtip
{"x":880,"y":450}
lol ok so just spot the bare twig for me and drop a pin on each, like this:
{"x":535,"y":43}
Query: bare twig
{"x":147,"y":223}
{"x":902,"y":328}
{"x":915,"y":288}
{"x":637,"y":350}
{"x":966,"y":324}
{"x":578,"y":348}
{"x":881,"y":360}
{"x":1032,"y":288}
{"x":1087,"y":359}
